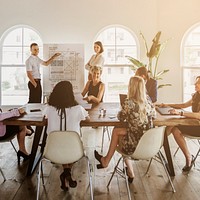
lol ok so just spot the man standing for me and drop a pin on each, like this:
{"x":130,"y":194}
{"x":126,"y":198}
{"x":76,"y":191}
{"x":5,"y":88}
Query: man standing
{"x":33,"y":73}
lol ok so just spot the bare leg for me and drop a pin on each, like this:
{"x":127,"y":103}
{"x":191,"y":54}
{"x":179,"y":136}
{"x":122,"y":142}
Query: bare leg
{"x":113,"y":144}
{"x":182,"y":144}
{"x":21,"y":139}
{"x":130,"y":168}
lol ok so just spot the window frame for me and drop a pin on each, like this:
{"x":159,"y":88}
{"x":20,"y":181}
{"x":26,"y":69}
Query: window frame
{"x":22,"y":46}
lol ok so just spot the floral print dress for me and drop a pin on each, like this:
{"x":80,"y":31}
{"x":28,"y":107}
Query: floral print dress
{"x":135,"y":127}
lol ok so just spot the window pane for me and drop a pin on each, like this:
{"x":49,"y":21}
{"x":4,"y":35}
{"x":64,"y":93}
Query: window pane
{"x":107,"y":37}
{"x":122,"y":52}
{"x":123,"y":37}
{"x":14,"y":38}
{"x":192,"y":56}
{"x":14,"y":86}
{"x":116,"y":81}
{"x":30,"y":36}
{"x":12,"y":55}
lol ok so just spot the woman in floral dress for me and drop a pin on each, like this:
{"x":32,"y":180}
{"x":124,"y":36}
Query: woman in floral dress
{"x":138,"y":112}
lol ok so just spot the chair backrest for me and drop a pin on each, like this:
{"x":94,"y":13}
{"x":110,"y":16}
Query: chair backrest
{"x":63,"y":147}
{"x":150,"y":143}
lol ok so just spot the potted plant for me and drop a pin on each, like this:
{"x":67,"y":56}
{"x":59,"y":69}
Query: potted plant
{"x":153,"y":56}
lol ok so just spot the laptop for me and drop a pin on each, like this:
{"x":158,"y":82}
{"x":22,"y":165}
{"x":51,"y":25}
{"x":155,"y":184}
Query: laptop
{"x":122,"y":98}
{"x":165,"y":110}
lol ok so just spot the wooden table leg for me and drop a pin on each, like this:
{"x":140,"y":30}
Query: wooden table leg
{"x":33,"y":160}
{"x":169,"y":165}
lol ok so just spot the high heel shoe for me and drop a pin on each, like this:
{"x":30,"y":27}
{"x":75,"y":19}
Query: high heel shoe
{"x":98,"y":157}
{"x":23,"y":155}
{"x":188,"y":168}
{"x":62,"y":180}
{"x":68,"y":177}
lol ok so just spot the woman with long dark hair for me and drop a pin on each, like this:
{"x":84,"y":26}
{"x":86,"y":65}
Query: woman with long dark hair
{"x":62,"y":106}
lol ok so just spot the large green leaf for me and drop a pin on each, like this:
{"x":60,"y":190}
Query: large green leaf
{"x":135,"y":62}
{"x":163,"y":85}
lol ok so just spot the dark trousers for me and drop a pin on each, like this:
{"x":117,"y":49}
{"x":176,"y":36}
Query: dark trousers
{"x":35,"y":94}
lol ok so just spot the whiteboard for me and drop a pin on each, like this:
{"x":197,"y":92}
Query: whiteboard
{"x":68,"y":66}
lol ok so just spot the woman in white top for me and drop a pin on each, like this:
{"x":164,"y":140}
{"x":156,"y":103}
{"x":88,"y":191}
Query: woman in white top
{"x":62,"y":105}
{"x":96,"y":59}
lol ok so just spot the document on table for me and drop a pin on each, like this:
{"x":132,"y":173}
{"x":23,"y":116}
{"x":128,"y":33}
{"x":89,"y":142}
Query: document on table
{"x":84,"y":103}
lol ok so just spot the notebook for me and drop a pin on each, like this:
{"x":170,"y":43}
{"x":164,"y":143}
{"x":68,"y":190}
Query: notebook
{"x":165,"y":110}
{"x":122,"y":98}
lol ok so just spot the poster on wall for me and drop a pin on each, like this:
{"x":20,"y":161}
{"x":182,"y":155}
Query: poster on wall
{"x":68,"y":66}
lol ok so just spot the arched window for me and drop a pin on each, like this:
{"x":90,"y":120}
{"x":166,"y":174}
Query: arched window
{"x":190,"y":60}
{"x":118,"y":42}
{"x":15,"y":49}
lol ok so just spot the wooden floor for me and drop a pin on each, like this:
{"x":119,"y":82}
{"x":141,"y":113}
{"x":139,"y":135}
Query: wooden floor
{"x":154,"y":186}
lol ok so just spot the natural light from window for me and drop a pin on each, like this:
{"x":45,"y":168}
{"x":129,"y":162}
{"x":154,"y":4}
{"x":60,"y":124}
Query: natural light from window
{"x":118,"y":42}
{"x":15,"y":48}
{"x":191,"y":61}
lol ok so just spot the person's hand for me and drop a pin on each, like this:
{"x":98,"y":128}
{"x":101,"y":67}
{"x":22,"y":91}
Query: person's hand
{"x":88,"y":98}
{"x":56,"y":55}
{"x":35,"y":84}
{"x":21,"y":110}
{"x":174,"y":112}
{"x":162,"y":105}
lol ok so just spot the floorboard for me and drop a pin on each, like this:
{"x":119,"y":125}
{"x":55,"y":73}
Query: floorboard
{"x":151,"y":186}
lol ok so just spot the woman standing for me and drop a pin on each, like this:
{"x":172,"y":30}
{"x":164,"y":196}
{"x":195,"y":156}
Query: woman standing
{"x":62,"y":105}
{"x":96,"y":60}
{"x":137,"y":111}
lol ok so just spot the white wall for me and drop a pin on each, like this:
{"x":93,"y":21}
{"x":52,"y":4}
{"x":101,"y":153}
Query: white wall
{"x":72,"y":21}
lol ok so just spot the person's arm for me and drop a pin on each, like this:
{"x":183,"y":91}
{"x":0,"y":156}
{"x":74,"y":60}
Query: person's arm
{"x":30,"y":76}
{"x":46,"y":63}
{"x":99,"y":96}
{"x":12,"y":113}
{"x":85,"y":90}
{"x":88,"y":66}
{"x":180,"y":105}
{"x":193,"y":115}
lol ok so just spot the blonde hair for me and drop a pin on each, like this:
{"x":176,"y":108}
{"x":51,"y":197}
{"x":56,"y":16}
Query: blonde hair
{"x":96,"y":68}
{"x":137,"y":93}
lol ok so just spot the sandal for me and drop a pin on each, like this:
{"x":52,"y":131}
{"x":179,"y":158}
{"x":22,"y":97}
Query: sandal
{"x":188,"y":168}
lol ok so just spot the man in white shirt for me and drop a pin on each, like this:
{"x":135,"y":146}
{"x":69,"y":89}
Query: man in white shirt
{"x":33,"y":73}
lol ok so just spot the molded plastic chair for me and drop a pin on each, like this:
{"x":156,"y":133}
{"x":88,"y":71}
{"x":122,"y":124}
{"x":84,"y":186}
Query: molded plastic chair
{"x":148,"y":147}
{"x":9,"y":139}
{"x":63,"y":147}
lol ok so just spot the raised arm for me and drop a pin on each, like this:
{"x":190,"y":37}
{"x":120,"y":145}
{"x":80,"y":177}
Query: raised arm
{"x":46,"y":63}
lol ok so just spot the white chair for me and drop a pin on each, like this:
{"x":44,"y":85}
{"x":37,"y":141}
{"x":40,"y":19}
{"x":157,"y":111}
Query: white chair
{"x":9,"y":139}
{"x":63,"y":147}
{"x":148,"y":147}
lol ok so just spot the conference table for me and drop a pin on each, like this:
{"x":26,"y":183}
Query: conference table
{"x":97,"y":118}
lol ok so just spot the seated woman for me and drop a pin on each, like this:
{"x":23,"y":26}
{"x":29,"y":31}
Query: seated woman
{"x":94,"y":88}
{"x":179,"y":131}
{"x":151,"y":84}
{"x":137,"y":111}
{"x":9,"y":130}
{"x":62,"y":104}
